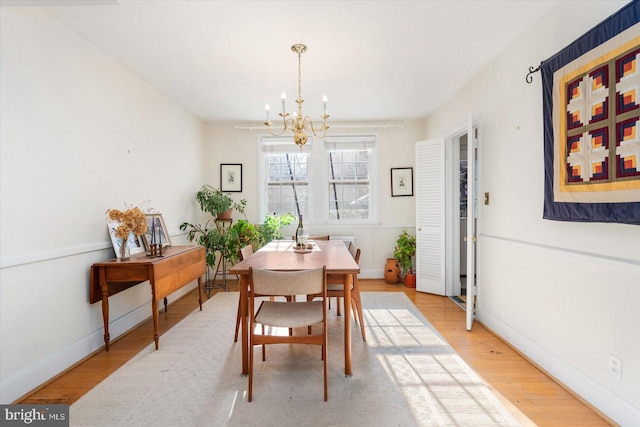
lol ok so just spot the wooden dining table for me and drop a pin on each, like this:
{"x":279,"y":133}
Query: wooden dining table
{"x":280,"y":255}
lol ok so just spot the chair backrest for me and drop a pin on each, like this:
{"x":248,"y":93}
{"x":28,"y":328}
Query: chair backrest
{"x":314,"y":237}
{"x":301,"y":282}
{"x":246,"y":252}
{"x":355,"y":252}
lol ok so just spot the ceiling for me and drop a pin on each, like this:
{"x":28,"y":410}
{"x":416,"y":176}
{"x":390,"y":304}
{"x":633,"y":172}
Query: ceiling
{"x":375,"y":60}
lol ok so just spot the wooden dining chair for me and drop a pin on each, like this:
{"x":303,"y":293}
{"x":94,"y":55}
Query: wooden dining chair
{"x":335,"y":288}
{"x":287,"y":314}
{"x":326,"y":237}
{"x":245,"y":253}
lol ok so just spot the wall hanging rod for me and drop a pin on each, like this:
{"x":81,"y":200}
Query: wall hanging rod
{"x":532,"y":70}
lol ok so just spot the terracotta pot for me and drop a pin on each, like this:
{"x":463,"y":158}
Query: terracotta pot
{"x":224,"y":215}
{"x":392,"y":271}
{"x":410,"y":280}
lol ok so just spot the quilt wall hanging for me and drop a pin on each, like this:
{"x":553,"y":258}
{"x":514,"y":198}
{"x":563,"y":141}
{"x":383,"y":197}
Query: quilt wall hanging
{"x":591,"y":108}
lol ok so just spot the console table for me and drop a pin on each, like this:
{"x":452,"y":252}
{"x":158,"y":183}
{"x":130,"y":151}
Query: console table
{"x":177,"y":267}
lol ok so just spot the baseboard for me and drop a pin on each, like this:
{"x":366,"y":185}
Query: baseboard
{"x":592,"y":393}
{"x":371,"y":274}
{"x":27,"y":380}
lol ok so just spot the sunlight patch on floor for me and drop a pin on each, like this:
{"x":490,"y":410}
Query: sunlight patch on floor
{"x":434,"y":381}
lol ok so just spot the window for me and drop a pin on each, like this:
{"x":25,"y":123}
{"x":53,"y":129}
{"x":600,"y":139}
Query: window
{"x":330,"y":182}
{"x":288,"y":183}
{"x":349,"y":185}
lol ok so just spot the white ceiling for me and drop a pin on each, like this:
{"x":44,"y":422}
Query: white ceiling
{"x":375,"y":60}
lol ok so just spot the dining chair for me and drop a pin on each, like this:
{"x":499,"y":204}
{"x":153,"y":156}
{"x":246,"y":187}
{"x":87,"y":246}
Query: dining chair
{"x":335,"y":288}
{"x":287,"y":314}
{"x":325,"y":237}
{"x":245,"y":253}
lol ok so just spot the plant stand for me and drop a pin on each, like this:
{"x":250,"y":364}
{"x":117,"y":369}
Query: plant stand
{"x":222,"y":267}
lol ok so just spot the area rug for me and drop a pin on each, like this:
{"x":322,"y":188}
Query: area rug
{"x":405,"y":374}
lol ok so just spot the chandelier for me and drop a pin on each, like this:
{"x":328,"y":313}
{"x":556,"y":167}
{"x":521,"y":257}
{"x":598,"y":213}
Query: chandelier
{"x":298,"y":123}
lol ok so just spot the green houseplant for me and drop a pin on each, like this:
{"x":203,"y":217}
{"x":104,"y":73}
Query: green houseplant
{"x":217,"y":203}
{"x":212,"y":236}
{"x":404,"y":251}
{"x":228,"y":241}
{"x":270,"y":229}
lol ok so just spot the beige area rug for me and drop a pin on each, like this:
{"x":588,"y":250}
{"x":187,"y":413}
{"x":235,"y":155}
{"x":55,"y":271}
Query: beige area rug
{"x":404,"y":375}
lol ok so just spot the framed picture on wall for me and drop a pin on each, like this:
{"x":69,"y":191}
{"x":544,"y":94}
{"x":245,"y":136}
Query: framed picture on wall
{"x":401,"y":182}
{"x":156,"y":231}
{"x":231,"y":177}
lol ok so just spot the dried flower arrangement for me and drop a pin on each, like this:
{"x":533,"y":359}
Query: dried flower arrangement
{"x":125,"y":228}
{"x":131,"y":220}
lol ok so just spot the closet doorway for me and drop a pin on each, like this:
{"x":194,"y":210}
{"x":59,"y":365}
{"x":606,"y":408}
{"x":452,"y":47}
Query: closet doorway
{"x":446,"y":215}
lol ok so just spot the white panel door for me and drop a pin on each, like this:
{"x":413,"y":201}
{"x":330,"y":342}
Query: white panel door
{"x":430,"y":216}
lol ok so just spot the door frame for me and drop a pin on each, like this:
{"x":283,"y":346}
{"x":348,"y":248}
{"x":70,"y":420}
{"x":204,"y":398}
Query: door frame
{"x":452,"y":206}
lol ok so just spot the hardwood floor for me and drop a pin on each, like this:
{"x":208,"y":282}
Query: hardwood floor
{"x":520,"y":383}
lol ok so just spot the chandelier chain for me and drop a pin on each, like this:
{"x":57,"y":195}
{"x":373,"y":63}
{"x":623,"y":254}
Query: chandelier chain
{"x":299,"y":75}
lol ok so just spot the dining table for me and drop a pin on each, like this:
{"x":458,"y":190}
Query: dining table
{"x":281,"y":255}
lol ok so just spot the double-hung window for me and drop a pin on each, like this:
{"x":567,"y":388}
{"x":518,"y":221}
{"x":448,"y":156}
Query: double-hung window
{"x":350,"y":178}
{"x":286,"y":176}
{"x":327,"y":181}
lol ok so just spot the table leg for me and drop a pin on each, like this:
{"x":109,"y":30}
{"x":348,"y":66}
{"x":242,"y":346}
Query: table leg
{"x":200,"y":292}
{"x":348,"y":281}
{"x":154,"y":310}
{"x":105,"y":307}
{"x":244,"y":297}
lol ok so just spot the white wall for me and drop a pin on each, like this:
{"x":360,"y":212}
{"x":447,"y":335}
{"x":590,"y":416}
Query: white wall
{"x":79,"y":134}
{"x":564,"y":293}
{"x":228,"y":143}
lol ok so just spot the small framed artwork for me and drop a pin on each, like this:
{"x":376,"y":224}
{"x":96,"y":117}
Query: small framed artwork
{"x":136,"y":243}
{"x":401,"y":182}
{"x":156,"y":232}
{"x":231,"y":177}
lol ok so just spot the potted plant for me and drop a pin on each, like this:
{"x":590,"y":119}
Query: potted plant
{"x":228,"y":241}
{"x":404,"y":251}
{"x":270,"y":229}
{"x":217,"y":203}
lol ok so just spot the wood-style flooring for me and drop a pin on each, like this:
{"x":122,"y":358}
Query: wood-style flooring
{"x":521,"y":384}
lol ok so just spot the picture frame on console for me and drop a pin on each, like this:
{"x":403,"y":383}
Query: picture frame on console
{"x":156,"y":231}
{"x":136,"y":243}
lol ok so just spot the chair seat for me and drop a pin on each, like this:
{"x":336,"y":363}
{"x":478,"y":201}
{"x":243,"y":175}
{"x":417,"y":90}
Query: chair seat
{"x":289,"y":315}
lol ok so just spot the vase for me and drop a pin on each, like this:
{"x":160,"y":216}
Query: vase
{"x":392,"y":271}
{"x":125,"y":250}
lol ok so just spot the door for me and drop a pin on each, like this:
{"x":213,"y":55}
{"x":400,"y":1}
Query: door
{"x":430,"y":216}
{"x":472,"y":156}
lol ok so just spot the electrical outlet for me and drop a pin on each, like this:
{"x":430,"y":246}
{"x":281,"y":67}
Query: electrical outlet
{"x":615,"y":366}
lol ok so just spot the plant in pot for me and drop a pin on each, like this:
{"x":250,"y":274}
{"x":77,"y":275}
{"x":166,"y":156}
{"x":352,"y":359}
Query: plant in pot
{"x":214,"y":237}
{"x":217,"y":203}
{"x":404,"y":251}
